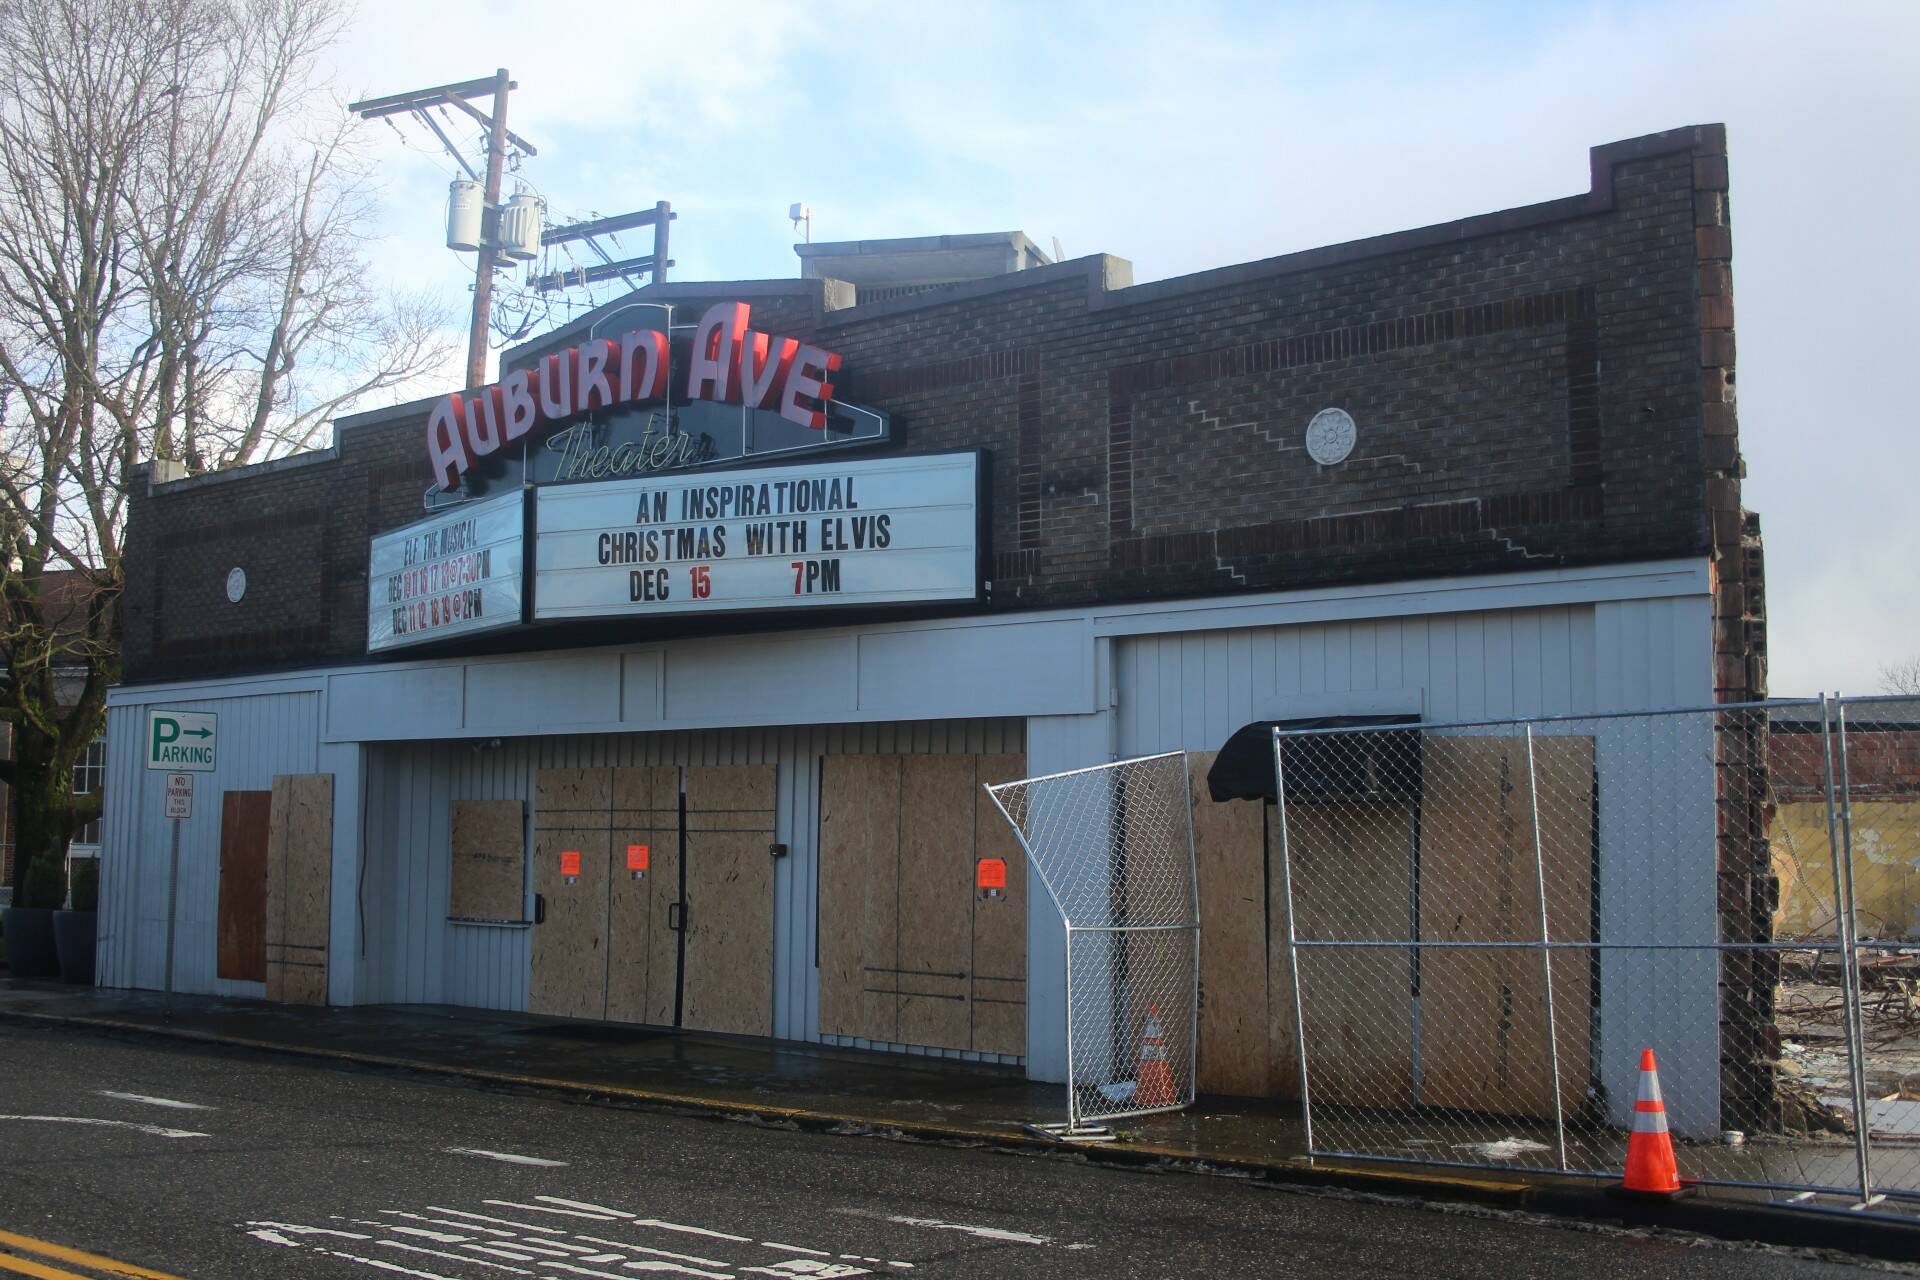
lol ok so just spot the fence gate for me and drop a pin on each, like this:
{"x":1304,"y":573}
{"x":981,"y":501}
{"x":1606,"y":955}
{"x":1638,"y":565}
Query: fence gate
{"x":1114,"y":847}
{"x":1488,"y":921}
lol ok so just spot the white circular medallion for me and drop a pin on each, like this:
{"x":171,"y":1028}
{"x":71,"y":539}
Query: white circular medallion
{"x":236,"y":584}
{"x":1330,"y":436}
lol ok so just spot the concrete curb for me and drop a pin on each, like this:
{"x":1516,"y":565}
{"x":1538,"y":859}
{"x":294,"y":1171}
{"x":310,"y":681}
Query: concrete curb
{"x":1860,"y":1235}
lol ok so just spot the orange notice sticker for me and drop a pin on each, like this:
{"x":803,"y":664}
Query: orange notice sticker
{"x":991,"y":873}
{"x":637,"y":857}
{"x":569,"y":862}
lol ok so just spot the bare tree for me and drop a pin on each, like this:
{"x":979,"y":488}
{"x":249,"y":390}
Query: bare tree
{"x":179,"y":280}
{"x":1901,"y":677}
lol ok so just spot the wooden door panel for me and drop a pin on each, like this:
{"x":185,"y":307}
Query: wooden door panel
{"x":642,"y":976}
{"x":999,"y":1005}
{"x":570,"y":946}
{"x":299,"y":887}
{"x":1484,"y":1043}
{"x":727,"y":981}
{"x":859,"y":896}
{"x":1229,"y":857}
{"x":245,"y":820}
{"x":936,"y":901}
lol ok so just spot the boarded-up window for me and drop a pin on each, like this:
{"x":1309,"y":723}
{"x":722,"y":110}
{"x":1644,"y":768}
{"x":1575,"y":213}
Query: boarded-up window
{"x":489,"y":860}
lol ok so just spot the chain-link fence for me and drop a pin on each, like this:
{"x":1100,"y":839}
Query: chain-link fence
{"x":1487,"y":922}
{"x":1114,"y":847}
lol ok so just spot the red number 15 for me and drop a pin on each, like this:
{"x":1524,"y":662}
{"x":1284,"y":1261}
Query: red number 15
{"x":702,"y":578}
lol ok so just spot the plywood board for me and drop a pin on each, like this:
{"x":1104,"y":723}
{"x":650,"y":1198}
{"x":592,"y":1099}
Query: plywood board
{"x":642,"y":974}
{"x":859,"y":910}
{"x":1230,"y":859}
{"x":731,"y":797}
{"x":569,"y":976}
{"x":727,"y":983}
{"x":299,"y":887}
{"x":488,"y":876}
{"x":1352,"y":880}
{"x":578,"y":799}
{"x":242,"y":912}
{"x":999,"y":992}
{"x":936,"y":900}
{"x":1484,"y":1043}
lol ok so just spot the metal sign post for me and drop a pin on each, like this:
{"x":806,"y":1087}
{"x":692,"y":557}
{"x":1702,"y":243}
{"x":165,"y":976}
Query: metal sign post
{"x":178,"y":804}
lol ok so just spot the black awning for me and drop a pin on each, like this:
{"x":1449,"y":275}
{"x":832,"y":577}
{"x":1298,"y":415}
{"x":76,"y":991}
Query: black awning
{"x":1319,"y":767}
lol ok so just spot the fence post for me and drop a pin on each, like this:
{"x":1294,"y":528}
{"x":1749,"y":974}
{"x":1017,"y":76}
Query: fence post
{"x":1843,"y":919}
{"x":1293,"y":946}
{"x":1546,"y":957}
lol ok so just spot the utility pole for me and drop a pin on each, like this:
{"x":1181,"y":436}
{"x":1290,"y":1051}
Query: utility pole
{"x":416,"y":102}
{"x":489,"y":224}
{"x":652,"y":265}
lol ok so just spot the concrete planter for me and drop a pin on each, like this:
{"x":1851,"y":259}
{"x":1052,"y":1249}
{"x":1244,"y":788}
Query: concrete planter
{"x":31,"y":950}
{"x":73,"y":940}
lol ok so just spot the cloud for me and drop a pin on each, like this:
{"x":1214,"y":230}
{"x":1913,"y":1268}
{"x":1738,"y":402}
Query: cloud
{"x":1192,"y":136}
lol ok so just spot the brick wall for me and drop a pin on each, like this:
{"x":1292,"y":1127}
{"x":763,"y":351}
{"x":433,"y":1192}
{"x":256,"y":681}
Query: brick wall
{"x":1536,"y":387}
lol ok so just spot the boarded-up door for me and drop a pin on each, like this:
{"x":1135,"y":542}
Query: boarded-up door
{"x":727,"y":982}
{"x":999,"y":959}
{"x":1484,"y":1044}
{"x":245,"y":817}
{"x":913,"y":949}
{"x":643,"y":950}
{"x":299,"y":887}
{"x":1231,"y":864}
{"x":1352,"y":870}
{"x":572,"y":815}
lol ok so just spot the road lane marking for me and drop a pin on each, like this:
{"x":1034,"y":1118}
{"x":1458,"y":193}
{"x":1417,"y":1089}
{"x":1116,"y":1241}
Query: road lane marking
{"x":582,"y":1204}
{"x":158,"y":1131}
{"x":385,"y":1266}
{"x":48,"y":1249}
{"x":505,"y":1222}
{"x":442,"y":1222}
{"x":505,"y":1157}
{"x":658,"y":1253}
{"x":300,"y":1230}
{"x":669,"y":1267}
{"x":540,"y":1208}
{"x":452,"y":1257}
{"x":692,"y":1231}
{"x":793,"y":1248}
{"x":998,"y":1234}
{"x":152,"y":1101}
{"x":28,"y":1267}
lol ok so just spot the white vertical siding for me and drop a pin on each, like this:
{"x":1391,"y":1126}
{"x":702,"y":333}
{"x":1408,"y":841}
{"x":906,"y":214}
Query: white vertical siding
{"x":258,"y":737}
{"x":1189,"y":690}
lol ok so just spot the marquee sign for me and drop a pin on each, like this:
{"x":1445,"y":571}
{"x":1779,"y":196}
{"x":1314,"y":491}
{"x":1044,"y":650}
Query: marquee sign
{"x":450,"y":575}
{"x":730,"y":363}
{"x":871,"y":531}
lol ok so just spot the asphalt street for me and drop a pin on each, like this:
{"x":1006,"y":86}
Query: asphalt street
{"x":201,"y":1162}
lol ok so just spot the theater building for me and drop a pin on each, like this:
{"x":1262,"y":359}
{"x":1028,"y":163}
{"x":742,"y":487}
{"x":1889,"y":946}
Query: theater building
{"x":658,"y":682}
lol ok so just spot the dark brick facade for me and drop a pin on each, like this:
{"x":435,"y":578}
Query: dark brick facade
{"x":1542,"y":386}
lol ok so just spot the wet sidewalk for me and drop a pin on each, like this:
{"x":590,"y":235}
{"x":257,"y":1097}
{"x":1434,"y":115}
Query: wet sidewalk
{"x":822,"y":1086}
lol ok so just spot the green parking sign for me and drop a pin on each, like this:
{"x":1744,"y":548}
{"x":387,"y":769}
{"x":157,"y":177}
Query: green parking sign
{"x":182,"y":740}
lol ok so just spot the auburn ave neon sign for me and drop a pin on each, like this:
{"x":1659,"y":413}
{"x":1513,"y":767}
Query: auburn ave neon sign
{"x":731,"y":363}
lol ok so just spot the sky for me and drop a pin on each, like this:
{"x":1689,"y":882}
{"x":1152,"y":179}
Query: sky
{"x":1189,"y":136}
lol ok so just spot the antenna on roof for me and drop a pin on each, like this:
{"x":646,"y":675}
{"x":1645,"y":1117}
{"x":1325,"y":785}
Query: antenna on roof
{"x":800,"y":213}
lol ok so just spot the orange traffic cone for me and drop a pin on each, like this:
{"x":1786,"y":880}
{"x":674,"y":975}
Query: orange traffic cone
{"x":1155,"y":1083}
{"x":1651,"y":1171}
